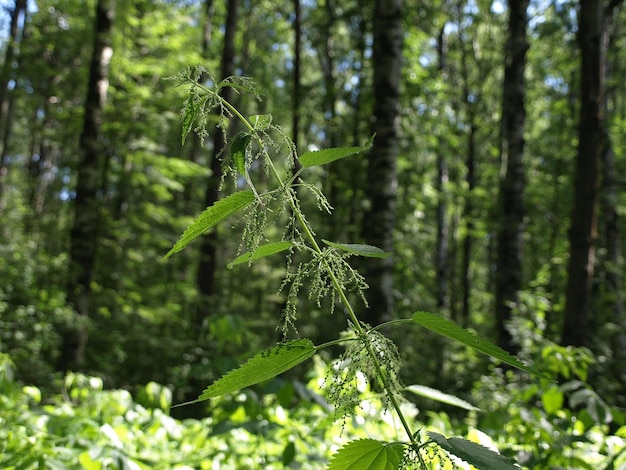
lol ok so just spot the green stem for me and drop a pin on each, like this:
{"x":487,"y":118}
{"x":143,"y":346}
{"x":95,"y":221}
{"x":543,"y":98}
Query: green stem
{"x":309,"y":235}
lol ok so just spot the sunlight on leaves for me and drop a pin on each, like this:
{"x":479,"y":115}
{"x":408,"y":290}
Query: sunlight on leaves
{"x":438,"y":395}
{"x":367,"y":454}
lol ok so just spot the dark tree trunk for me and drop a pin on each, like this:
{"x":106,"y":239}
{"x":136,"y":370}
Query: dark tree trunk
{"x":470,"y":101}
{"x":208,"y":248}
{"x":327,"y":62}
{"x":84,"y":233}
{"x":613,"y":265}
{"x":442,"y":255}
{"x":591,"y":144}
{"x":207,"y":29}
{"x":197,"y":148}
{"x":382,"y":174}
{"x":510,"y":236}
{"x":6,"y":96}
{"x":468,"y":240}
{"x":297,"y":85}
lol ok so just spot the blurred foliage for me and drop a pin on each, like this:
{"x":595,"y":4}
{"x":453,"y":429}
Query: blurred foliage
{"x":286,"y":424}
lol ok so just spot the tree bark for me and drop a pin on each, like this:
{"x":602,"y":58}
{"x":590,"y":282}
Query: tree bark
{"x":382,"y":172}
{"x":468,"y":239}
{"x":510,"y":236}
{"x":84,"y":232}
{"x":297,"y":83}
{"x":441,"y":250}
{"x":591,"y":144}
{"x":6,"y":95}
{"x":613,"y":265}
{"x":205,"y":278}
{"x":470,"y":100}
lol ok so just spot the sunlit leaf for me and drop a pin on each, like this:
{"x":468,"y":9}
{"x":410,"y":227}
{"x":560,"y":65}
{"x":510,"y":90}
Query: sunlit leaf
{"x":358,"y":249}
{"x":211,"y":217}
{"x":440,"y":396}
{"x":88,"y":462}
{"x":451,"y":330}
{"x":261,"y":252}
{"x":552,"y":399}
{"x":238,"y":151}
{"x":321,"y":157}
{"x":474,"y":454}
{"x":367,"y":454}
{"x":260,"y":122}
{"x":264,"y":366}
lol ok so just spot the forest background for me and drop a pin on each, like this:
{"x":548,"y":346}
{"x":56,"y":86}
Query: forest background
{"x":496,"y":180}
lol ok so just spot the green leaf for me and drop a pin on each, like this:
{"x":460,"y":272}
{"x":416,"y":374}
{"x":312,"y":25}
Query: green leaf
{"x":238,"y":151}
{"x":87,"y":462}
{"x":261,"y":252}
{"x":211,"y":217}
{"x":367,"y":454}
{"x":321,"y":157}
{"x":360,"y":250}
{"x":260,"y":122}
{"x":453,"y":331}
{"x":440,"y":396}
{"x":474,"y":454}
{"x":289,"y":453}
{"x":262,"y":367}
{"x":188,"y":118}
{"x":552,"y":399}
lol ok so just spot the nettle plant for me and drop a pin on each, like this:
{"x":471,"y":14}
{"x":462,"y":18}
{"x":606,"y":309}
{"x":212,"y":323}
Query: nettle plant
{"x":326,"y":272}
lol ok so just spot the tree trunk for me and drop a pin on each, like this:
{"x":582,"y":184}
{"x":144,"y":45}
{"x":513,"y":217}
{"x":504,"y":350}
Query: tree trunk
{"x":510,"y":236}
{"x":613,"y":265}
{"x":205,"y":279}
{"x":6,"y":95}
{"x":297,"y":85}
{"x":207,"y":29}
{"x":471,"y":102}
{"x":442,"y":255}
{"x":197,"y":148}
{"x":468,"y":239}
{"x":591,"y":143}
{"x":84,"y":233}
{"x":382,"y":174}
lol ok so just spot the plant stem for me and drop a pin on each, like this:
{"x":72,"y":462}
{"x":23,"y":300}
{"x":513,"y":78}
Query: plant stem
{"x":309,"y":235}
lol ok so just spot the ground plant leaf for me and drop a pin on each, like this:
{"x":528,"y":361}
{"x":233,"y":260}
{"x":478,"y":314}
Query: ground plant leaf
{"x":238,"y":151}
{"x":453,"y":331}
{"x":264,"y":366}
{"x":367,"y":454}
{"x":358,"y":249}
{"x":211,"y":217}
{"x":438,"y":395}
{"x":261,"y":252}
{"x":474,"y":454}
{"x":321,"y":157}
